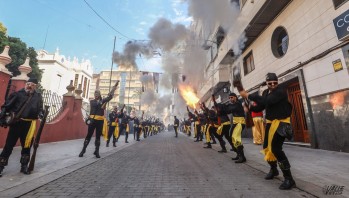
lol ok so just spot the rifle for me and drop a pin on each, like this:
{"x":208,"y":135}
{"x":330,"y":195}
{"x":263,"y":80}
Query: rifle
{"x":3,"y":116}
{"x":111,"y":93}
{"x":8,"y":89}
{"x":238,"y":84}
{"x":37,"y":140}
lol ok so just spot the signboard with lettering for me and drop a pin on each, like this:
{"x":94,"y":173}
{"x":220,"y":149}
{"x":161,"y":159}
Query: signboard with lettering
{"x":341,"y":24}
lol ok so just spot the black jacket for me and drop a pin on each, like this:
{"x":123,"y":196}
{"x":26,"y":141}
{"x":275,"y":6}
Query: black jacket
{"x":275,"y":103}
{"x":236,"y":109}
{"x":17,"y":99}
{"x":222,"y":112}
{"x":176,"y":122}
{"x":96,"y":106}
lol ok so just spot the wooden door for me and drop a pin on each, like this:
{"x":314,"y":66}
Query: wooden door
{"x":298,"y":121}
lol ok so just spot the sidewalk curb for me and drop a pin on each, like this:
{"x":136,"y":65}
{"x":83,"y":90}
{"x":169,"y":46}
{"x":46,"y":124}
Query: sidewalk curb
{"x":31,"y":185}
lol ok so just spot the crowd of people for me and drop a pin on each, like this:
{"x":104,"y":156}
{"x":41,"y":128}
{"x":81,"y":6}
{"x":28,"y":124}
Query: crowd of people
{"x":270,"y":113}
{"x":207,"y":123}
{"x":117,"y":123}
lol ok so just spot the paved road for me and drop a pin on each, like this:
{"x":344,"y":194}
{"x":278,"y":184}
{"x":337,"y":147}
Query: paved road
{"x":165,"y":166}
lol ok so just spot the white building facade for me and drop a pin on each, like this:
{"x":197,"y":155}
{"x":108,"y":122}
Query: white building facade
{"x":305,"y":43}
{"x":58,"y":71}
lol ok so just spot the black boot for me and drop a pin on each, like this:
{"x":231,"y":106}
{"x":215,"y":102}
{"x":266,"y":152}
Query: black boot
{"x":126,"y":137}
{"x":222,"y":143}
{"x":84,"y":148}
{"x":273,"y":171}
{"x":288,"y":183}
{"x":214,"y":141}
{"x":24,"y":164}
{"x":3,"y":163}
{"x":107,"y":145}
{"x":237,"y":155}
{"x":241,"y":155}
{"x":138,"y":136}
{"x":208,"y":145}
{"x":114,"y":143}
{"x":96,"y":153}
{"x":223,"y":150}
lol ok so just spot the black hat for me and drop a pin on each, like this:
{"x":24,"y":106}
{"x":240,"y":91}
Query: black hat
{"x":271,"y":77}
{"x":232,"y":94}
{"x":33,"y":80}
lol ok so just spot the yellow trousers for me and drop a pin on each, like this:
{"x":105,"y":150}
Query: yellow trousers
{"x":258,"y":130}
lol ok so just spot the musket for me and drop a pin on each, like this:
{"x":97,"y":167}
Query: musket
{"x":37,"y":140}
{"x":8,"y":89}
{"x":111,"y":93}
{"x":238,"y":84}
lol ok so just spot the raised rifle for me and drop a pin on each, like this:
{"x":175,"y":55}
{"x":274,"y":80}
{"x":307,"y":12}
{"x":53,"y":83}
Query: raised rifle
{"x":37,"y":140}
{"x":111,"y":93}
{"x":238,"y":84}
{"x":89,"y":121}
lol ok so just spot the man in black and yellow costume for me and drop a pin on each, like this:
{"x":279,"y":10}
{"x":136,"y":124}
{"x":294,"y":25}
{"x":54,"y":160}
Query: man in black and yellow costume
{"x":277,"y":113}
{"x":235,"y":108}
{"x":212,"y":125}
{"x":114,"y":125}
{"x":224,"y":124}
{"x":97,"y":120}
{"x":26,"y":104}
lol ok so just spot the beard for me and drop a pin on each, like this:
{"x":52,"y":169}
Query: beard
{"x":29,"y":91}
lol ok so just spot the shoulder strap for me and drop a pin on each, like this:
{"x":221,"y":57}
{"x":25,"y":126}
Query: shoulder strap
{"x":24,"y":106}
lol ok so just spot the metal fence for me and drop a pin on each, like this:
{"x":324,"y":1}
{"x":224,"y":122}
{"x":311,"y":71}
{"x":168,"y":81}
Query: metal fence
{"x":55,"y":102}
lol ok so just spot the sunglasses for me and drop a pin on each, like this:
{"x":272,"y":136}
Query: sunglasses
{"x":30,"y":84}
{"x":272,"y":83}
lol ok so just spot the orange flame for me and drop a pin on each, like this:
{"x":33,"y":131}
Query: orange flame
{"x":188,"y":95}
{"x":337,"y":99}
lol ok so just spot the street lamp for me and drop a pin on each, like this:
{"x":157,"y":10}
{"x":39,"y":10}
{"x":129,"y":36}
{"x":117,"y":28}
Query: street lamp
{"x":128,"y":94}
{"x":205,"y":46}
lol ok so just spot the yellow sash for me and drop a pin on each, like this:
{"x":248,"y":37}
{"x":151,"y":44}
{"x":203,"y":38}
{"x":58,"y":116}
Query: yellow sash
{"x":127,"y":129}
{"x":30,"y":134}
{"x":208,"y":138}
{"x":187,"y":129}
{"x":269,"y":156}
{"x":220,"y":128}
{"x":116,"y":131}
{"x":195,"y":129}
{"x":236,"y":137}
{"x":105,"y":125}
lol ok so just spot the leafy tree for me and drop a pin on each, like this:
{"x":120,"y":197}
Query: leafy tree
{"x":19,"y":52}
{"x":3,"y":29}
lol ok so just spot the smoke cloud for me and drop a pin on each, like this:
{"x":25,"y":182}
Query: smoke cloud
{"x":165,"y":35}
{"x":127,"y":59}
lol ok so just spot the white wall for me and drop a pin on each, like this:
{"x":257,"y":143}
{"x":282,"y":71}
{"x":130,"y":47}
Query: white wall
{"x":58,"y":71}
{"x":311,"y":31}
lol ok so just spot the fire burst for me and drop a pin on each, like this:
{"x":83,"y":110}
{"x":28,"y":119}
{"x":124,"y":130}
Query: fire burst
{"x":337,"y":99}
{"x":188,"y":95}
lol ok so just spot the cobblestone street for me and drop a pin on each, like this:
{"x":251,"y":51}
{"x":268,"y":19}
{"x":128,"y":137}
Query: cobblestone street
{"x":165,"y":166}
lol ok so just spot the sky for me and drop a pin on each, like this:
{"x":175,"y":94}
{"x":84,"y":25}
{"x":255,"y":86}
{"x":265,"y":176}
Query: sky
{"x":76,"y":30}
{"x":86,"y":29}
